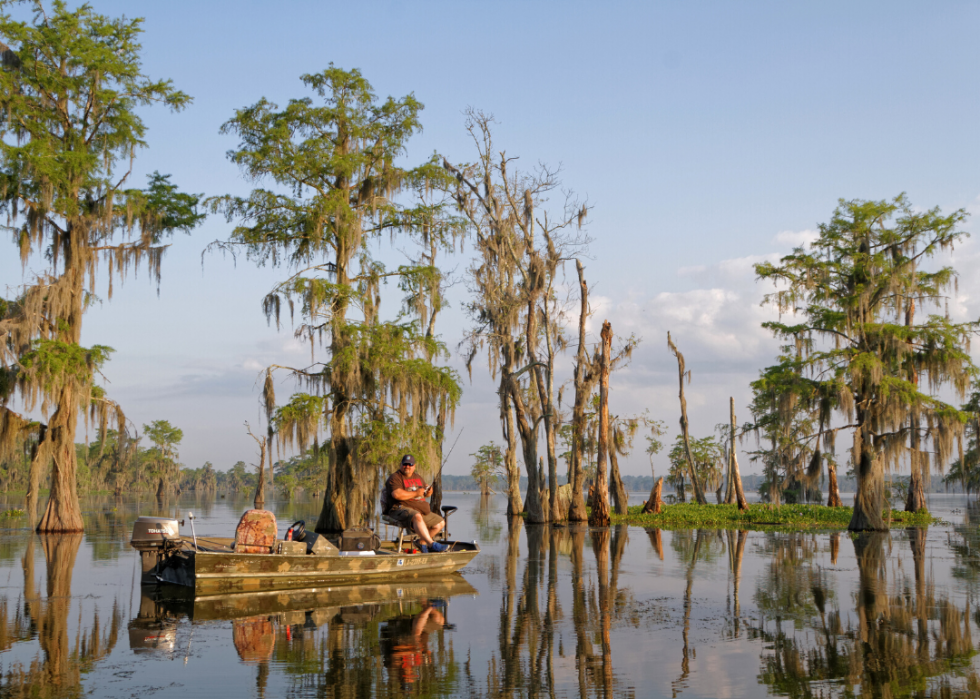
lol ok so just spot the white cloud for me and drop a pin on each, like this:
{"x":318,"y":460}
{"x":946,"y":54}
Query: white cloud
{"x":795,"y":239}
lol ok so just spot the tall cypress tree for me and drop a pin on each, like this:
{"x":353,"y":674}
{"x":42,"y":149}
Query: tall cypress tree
{"x":854,"y":349}
{"x":330,"y":164}
{"x":70,"y":87}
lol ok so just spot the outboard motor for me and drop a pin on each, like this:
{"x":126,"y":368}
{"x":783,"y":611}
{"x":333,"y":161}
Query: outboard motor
{"x":152,"y":537}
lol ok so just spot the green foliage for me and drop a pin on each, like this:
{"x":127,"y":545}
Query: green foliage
{"x":758,"y":516}
{"x":654,"y":445}
{"x":854,"y":347}
{"x":50,"y":364}
{"x":708,"y":454}
{"x":71,"y":101}
{"x":71,"y":86}
{"x":488,"y":465}
{"x":332,"y":158}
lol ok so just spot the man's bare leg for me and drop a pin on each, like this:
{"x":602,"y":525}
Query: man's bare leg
{"x":423,"y":531}
{"x":436,"y":529}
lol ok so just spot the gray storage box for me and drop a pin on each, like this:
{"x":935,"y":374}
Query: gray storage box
{"x":357,"y":540}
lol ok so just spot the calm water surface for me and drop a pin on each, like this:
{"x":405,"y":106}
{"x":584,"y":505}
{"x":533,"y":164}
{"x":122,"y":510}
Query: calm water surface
{"x":542,"y":611}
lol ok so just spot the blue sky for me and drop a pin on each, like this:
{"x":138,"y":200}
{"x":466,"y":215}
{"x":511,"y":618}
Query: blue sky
{"x":706,"y":136}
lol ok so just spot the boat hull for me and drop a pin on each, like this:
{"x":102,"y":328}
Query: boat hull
{"x":213,"y":572}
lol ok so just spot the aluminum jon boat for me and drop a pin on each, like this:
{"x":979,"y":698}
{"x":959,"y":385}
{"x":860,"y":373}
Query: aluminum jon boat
{"x":257,"y":560}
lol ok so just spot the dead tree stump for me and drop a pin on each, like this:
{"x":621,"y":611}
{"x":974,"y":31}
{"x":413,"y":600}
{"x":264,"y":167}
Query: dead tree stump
{"x":655,"y":504}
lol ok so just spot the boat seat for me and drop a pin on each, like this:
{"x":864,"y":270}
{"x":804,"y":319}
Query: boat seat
{"x":256,"y":532}
{"x":402,"y":528}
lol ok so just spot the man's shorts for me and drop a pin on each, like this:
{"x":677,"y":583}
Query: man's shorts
{"x":404,"y":516}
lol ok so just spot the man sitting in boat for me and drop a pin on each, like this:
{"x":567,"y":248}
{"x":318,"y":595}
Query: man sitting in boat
{"x":404,"y":500}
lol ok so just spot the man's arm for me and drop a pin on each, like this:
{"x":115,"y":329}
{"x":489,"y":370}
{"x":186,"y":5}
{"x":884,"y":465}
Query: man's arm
{"x":402,"y":494}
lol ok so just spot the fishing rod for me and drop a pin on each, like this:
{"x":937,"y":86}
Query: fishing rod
{"x":446,"y":460}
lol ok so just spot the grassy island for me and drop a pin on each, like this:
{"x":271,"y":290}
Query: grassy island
{"x":758,"y":516}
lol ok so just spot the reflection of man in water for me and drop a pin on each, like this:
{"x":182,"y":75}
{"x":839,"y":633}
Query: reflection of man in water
{"x":405,"y":642}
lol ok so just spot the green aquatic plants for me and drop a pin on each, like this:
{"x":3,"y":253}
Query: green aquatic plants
{"x":760,"y":516}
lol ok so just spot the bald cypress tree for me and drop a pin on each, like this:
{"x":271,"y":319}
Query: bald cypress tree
{"x":70,"y":87}
{"x":856,"y":354}
{"x":333,"y":189}
{"x":521,"y":247}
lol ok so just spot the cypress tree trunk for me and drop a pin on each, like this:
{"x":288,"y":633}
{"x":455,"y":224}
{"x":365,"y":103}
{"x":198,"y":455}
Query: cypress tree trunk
{"x":515,"y":506}
{"x":259,"y":501}
{"x":529,"y":445}
{"x":63,"y":513}
{"x":599,"y":517}
{"x":870,"y":496}
{"x":916,"y":498}
{"x":833,"y":493}
{"x":39,"y":455}
{"x":620,"y":497}
{"x":576,"y":509}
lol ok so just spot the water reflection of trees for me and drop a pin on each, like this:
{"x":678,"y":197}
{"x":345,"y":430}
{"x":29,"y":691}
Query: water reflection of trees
{"x":964,"y":541}
{"x":895,"y":644}
{"x":58,"y":669}
{"x":488,"y":526}
{"x":385,"y":640}
{"x":793,"y":589}
{"x":531,"y":611}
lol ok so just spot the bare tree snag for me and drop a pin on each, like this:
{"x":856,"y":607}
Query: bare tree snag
{"x":599,"y":517}
{"x":695,"y":481}
{"x":521,"y":246}
{"x":733,"y":474}
{"x":620,"y":496}
{"x":833,"y":493}
{"x":583,"y":390}
{"x":654,"y":506}
{"x":262,"y":443}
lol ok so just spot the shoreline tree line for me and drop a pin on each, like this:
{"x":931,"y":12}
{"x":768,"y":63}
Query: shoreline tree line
{"x":869,"y":346}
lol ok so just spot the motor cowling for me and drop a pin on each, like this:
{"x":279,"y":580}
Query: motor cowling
{"x":152,"y":533}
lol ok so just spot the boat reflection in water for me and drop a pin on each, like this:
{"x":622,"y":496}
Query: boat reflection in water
{"x":406,"y":622}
